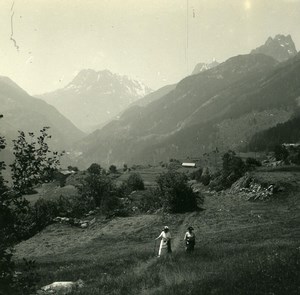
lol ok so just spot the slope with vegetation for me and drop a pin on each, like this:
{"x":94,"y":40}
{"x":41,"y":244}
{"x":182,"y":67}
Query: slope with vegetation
{"x":191,"y":119}
{"x":241,"y":248}
{"x":24,"y":112}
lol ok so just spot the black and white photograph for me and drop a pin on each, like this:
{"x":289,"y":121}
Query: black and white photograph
{"x":149,"y":147}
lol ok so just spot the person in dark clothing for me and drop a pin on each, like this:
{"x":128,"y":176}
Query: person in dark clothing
{"x":190,"y":240}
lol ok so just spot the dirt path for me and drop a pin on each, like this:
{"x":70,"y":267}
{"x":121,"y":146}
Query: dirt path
{"x":176,"y":241}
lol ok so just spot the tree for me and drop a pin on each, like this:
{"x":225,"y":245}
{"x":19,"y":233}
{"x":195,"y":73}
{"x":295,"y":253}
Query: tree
{"x":95,"y":169}
{"x":280,"y":152}
{"x":233,"y":168}
{"x":34,"y":162}
{"x":10,"y":204}
{"x":177,"y":196}
{"x":135,"y":182}
{"x":112,"y":169}
{"x":97,"y":186}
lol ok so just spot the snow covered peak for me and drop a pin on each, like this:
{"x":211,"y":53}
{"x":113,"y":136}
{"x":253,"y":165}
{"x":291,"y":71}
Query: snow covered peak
{"x":106,"y":82}
{"x":280,"y":47}
{"x":201,"y":67}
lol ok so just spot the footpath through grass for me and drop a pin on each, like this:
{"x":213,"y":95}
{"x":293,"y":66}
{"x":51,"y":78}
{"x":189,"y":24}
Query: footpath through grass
{"x":242,"y":248}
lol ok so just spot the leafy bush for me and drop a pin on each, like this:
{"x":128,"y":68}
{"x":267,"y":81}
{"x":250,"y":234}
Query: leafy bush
{"x":177,"y":196}
{"x":135,"y":182}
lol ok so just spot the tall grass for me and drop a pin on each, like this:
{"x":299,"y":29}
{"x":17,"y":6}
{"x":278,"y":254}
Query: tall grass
{"x":211,"y":269}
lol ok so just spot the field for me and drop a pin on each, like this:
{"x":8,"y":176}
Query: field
{"x":242,"y":248}
{"x":149,"y":174}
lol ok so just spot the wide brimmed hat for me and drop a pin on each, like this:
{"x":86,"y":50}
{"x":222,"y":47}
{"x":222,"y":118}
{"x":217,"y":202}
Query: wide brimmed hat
{"x":166,"y":227}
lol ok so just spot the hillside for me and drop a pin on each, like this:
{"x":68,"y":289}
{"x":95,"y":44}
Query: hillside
{"x":200,"y":113}
{"x":24,"y":112}
{"x":237,"y":243}
{"x":93,"y":98}
{"x":155,"y":95}
{"x":287,"y":132}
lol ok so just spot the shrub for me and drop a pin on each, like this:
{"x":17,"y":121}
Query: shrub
{"x":251,"y":163}
{"x":80,"y":205}
{"x":205,"y":177}
{"x":135,"y":182}
{"x":177,"y":196}
{"x":73,"y":168}
{"x":280,"y":153}
{"x":151,"y":201}
{"x":44,"y":211}
{"x":294,"y":155}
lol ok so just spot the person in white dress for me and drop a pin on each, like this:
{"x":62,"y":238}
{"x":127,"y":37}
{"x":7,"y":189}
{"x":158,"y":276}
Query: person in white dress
{"x":165,"y":243}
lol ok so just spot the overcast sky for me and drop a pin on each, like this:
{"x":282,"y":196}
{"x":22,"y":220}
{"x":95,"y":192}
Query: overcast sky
{"x":144,"y":39}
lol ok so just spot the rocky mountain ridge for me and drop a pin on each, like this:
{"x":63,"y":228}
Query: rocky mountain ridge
{"x":280,"y":47}
{"x":93,"y":98}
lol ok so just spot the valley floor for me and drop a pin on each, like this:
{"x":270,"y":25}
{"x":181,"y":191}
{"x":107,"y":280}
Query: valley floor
{"x":242,"y":248}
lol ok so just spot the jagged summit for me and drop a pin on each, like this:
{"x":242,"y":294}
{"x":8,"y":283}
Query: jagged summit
{"x":280,"y":47}
{"x":94,"y":97}
{"x":105,"y":80}
{"x":201,"y":67}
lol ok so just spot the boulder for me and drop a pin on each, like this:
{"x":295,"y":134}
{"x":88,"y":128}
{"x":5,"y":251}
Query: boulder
{"x":61,"y":287}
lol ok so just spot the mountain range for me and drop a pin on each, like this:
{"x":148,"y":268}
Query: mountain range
{"x":23,"y":112}
{"x":221,"y":107}
{"x":93,"y":98}
{"x":227,"y":106}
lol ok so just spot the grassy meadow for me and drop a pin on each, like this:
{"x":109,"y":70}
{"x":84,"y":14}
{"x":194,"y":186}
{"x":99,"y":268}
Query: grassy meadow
{"x":242,"y":247}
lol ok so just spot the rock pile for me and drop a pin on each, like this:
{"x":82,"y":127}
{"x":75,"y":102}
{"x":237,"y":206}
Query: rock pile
{"x":75,"y":221}
{"x":256,"y":192}
{"x":250,"y":189}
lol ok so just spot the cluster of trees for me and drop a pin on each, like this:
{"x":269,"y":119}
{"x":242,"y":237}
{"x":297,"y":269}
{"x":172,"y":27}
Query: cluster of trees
{"x":289,"y":155}
{"x":267,"y":140}
{"x":233,"y":167}
{"x":34,"y":163}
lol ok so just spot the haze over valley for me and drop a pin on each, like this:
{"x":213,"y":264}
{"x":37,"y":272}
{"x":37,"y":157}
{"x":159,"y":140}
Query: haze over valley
{"x":150,"y":147}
